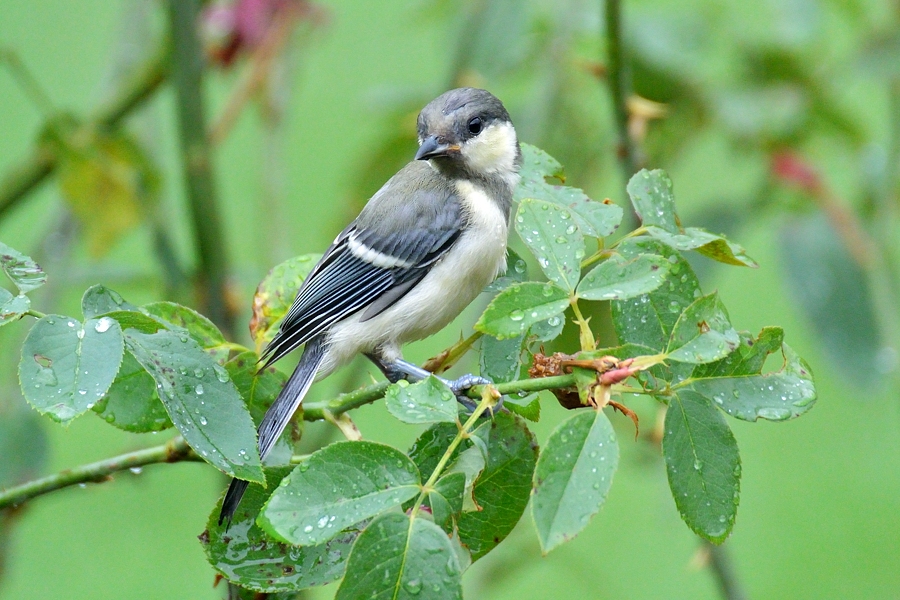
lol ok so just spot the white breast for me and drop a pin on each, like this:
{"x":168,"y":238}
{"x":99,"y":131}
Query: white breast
{"x":475,"y":260}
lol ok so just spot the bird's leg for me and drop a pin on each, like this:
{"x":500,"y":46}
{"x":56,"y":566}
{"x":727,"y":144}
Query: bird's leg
{"x":398,"y":369}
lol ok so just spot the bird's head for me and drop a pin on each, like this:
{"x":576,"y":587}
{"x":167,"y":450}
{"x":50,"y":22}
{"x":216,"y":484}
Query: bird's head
{"x":469,"y":130}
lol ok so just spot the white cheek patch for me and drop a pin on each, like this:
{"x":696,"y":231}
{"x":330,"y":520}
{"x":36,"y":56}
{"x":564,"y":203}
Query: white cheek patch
{"x":374,"y":257}
{"x":493,"y":150}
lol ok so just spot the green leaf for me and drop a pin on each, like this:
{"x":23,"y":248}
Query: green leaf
{"x":452,"y":486}
{"x":447,"y":498}
{"x":201,"y":400}
{"x":440,"y":508}
{"x":779,"y":396}
{"x":708,"y":244}
{"x":648,"y":320}
{"x":338,"y":486}
{"x":703,"y":465}
{"x":553,"y":237}
{"x":259,"y":390}
{"x":129,"y":319}
{"x":503,"y":488}
{"x":276,"y":293}
{"x":500,"y":360}
{"x":527,"y":406}
{"x":546,"y":330}
{"x":428,"y":401}
{"x":67,"y":367}
{"x":703,"y":333}
{"x":748,"y":358}
{"x":519,"y":306}
{"x":99,"y":300}
{"x":596,"y":219}
{"x":177,"y":316}
{"x":12,"y":308}
{"x":247,"y":556}
{"x":470,"y":463}
{"x":516,"y":272}
{"x":653,"y":200}
{"x":620,"y":279}
{"x":573,"y":476}
{"x":132,"y":403}
{"x":239,"y":593}
{"x":21,"y":269}
{"x":429,"y":447}
{"x":400,"y":558}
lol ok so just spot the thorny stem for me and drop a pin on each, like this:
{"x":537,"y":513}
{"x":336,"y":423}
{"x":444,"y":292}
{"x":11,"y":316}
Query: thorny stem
{"x":187,"y":77}
{"x":315,"y":411}
{"x":620,"y":87}
{"x":448,"y":357}
{"x":176,"y":450}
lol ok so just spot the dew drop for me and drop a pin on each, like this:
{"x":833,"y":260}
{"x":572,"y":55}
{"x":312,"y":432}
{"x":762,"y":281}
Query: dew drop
{"x":221,"y":373}
{"x":103,"y":325}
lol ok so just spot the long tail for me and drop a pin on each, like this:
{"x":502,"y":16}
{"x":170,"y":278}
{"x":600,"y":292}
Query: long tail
{"x":277,"y":417}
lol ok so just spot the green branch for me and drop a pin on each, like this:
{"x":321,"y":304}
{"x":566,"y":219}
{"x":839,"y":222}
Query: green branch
{"x":176,"y":450}
{"x":620,"y":87}
{"x":22,"y":178}
{"x":315,"y":411}
{"x":187,"y":77}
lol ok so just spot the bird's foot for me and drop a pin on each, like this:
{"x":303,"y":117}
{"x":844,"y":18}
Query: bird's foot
{"x":398,"y":369}
{"x":461,"y":385}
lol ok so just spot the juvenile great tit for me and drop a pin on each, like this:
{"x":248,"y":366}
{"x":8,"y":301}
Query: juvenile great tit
{"x":425,"y":245}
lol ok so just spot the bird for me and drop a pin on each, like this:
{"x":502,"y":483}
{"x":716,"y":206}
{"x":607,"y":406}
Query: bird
{"x":423,"y":247}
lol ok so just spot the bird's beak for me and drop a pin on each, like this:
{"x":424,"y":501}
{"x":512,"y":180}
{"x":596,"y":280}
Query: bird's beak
{"x":432,"y":148}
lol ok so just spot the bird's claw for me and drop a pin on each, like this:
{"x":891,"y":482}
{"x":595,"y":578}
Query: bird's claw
{"x":462,"y":384}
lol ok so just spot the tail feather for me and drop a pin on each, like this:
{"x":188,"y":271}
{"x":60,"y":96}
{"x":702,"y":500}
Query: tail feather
{"x":277,"y":417}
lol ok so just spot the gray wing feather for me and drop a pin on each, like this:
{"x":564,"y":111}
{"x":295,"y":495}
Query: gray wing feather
{"x":402,"y":221}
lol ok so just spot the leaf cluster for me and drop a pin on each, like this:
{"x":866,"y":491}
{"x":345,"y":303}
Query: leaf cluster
{"x":409,"y":523}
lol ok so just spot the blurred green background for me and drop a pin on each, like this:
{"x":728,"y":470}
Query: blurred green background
{"x":779,"y":122}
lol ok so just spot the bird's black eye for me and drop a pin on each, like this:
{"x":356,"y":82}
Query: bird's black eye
{"x":475,"y":125}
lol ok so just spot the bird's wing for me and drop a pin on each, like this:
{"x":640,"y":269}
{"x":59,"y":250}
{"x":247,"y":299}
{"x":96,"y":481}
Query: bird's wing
{"x":373,"y":263}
